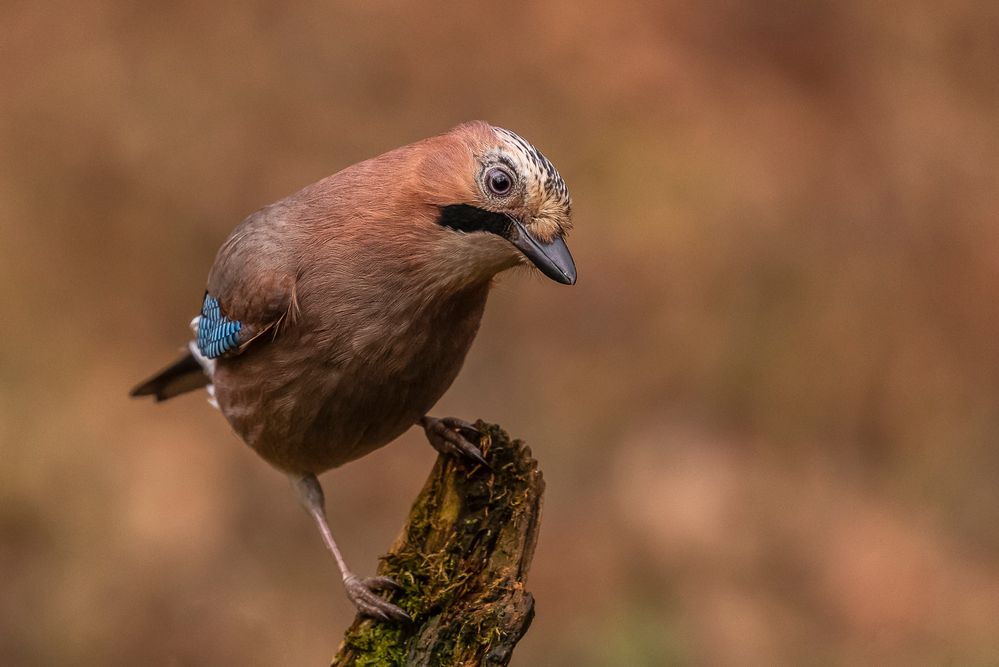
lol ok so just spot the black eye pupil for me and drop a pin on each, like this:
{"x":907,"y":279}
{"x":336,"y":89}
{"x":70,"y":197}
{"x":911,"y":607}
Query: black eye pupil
{"x":499,"y":182}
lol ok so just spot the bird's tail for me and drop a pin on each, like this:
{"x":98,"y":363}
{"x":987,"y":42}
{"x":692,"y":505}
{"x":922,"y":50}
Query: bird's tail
{"x":182,"y":376}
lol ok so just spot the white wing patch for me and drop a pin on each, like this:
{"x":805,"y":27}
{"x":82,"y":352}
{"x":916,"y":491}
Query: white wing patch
{"x":207,"y":365}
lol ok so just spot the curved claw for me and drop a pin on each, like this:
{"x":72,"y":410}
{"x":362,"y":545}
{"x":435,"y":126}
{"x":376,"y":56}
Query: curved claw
{"x":453,"y":436}
{"x":466,"y":428}
{"x":362,"y":592}
{"x":382,"y":584}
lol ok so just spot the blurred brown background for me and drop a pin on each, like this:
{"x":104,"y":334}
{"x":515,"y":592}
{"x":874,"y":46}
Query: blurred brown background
{"x":767,"y":413}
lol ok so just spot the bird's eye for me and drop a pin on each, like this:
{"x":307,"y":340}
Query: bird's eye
{"x":499,"y":181}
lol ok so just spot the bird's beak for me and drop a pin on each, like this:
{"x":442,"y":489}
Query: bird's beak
{"x":553,"y":258}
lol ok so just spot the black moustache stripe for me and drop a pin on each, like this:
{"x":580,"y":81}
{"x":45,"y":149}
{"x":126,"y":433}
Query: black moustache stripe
{"x":465,"y":218}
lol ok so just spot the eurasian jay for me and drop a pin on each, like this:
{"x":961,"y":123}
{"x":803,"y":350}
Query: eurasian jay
{"x":335,"y":318}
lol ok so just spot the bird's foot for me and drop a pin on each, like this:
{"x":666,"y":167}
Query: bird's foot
{"x":363,"y":593}
{"x":454,"y":436}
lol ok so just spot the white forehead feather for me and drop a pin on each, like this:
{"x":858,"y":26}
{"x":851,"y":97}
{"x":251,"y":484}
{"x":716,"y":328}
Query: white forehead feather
{"x":533,"y":162}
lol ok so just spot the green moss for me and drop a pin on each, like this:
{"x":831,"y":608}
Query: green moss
{"x":446,"y":562}
{"x":376,"y":644}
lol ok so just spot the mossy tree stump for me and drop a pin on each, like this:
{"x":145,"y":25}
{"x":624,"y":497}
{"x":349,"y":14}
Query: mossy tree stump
{"x":462,"y":562}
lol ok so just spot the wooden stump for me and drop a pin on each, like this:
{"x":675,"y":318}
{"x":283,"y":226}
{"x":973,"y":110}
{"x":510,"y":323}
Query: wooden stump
{"x":462,"y":561}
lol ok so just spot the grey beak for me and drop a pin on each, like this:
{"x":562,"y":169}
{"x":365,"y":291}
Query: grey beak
{"x":553,"y":259}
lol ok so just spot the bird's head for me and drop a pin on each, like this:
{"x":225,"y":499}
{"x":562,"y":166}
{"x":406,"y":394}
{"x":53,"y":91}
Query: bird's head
{"x":501,"y":201}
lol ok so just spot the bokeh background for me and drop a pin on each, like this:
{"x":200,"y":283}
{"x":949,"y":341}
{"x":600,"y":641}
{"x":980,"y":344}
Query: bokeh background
{"x":767,"y":413}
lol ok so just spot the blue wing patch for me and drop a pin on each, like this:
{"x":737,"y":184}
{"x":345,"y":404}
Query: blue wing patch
{"x":217,"y":334}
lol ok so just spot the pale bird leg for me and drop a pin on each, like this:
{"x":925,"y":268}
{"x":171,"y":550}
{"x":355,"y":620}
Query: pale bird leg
{"x":362,"y":592}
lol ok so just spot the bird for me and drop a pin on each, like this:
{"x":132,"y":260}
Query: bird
{"x":334,"y":319}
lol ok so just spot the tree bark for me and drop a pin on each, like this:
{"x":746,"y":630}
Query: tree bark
{"x":462,"y":562}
